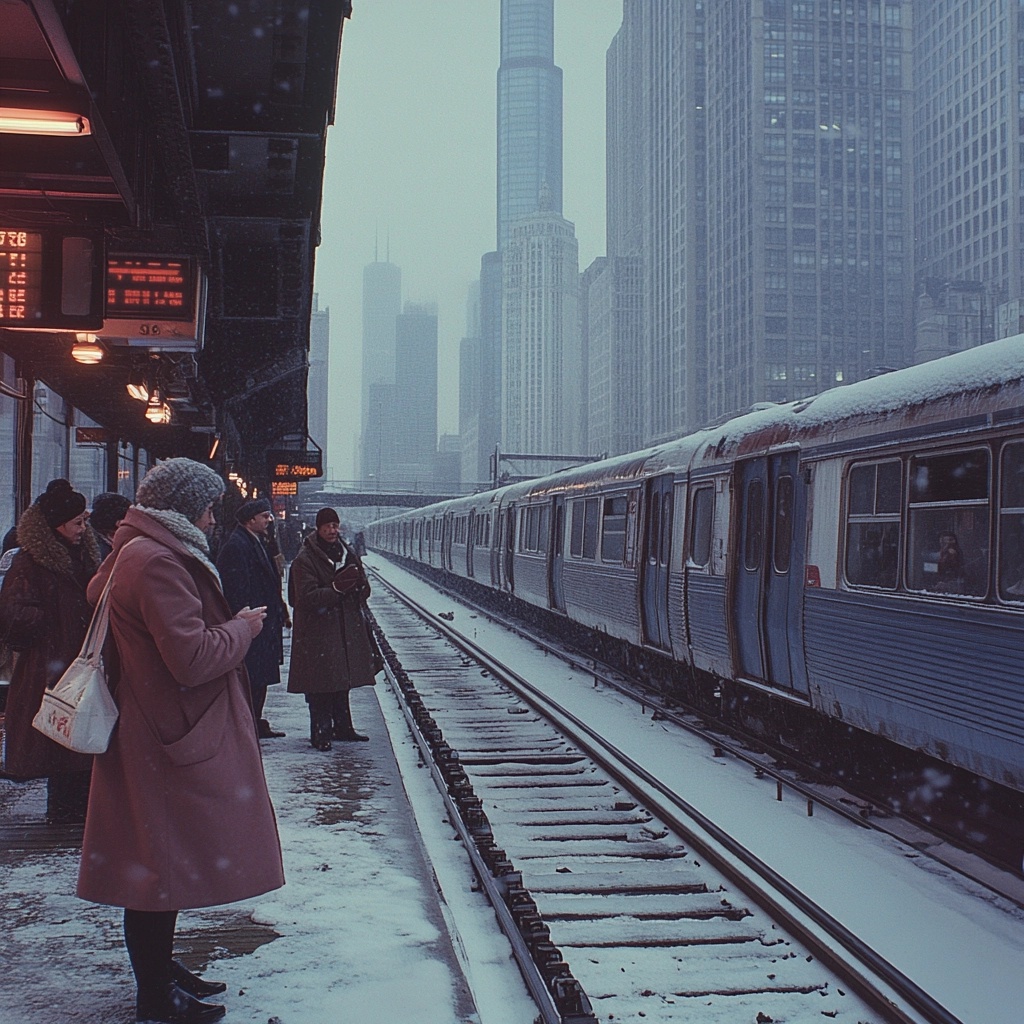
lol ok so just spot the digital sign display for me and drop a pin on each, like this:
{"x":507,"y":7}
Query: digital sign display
{"x":21,"y":277}
{"x":149,"y":286}
{"x":284,"y":488}
{"x":292,"y":465}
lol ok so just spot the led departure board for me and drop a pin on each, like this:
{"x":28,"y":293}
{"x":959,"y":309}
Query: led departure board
{"x":21,"y":277}
{"x":284,"y":464}
{"x":138,"y":288}
{"x":284,"y":488}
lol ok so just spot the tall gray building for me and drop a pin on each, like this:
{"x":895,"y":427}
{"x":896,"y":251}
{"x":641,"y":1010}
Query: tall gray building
{"x":414,"y":414}
{"x":757,"y":163}
{"x":968,"y":162}
{"x":529,"y":112}
{"x":542,"y":371}
{"x":809,"y":274}
{"x":382,"y":302}
{"x":317,"y":378}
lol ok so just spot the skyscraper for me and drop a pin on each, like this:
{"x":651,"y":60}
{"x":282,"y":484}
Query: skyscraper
{"x":382,"y":302}
{"x":541,"y":393}
{"x":968,"y":205}
{"x":529,"y":112}
{"x":761,"y":159}
{"x":808,"y":271}
{"x":415,"y":422}
{"x":316,"y":379}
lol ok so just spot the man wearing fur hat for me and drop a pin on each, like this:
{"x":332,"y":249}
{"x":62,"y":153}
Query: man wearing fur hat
{"x":249,"y":577}
{"x":44,"y":615}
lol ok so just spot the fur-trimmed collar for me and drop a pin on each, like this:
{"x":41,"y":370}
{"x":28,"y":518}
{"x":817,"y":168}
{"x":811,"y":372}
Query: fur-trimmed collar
{"x":36,"y":537}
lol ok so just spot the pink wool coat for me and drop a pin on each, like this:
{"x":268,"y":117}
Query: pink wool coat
{"x":179,"y":814}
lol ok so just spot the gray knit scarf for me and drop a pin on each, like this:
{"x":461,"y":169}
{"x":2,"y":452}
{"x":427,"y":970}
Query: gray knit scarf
{"x":186,"y":531}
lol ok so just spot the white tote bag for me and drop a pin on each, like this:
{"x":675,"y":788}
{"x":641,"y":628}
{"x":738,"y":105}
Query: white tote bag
{"x":79,"y":712}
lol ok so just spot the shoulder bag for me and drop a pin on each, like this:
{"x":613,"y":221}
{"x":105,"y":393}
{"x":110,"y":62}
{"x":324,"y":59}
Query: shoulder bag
{"x":78,"y":711}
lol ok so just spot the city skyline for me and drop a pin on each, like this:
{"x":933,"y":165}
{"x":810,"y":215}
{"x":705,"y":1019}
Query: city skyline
{"x":411,"y":172}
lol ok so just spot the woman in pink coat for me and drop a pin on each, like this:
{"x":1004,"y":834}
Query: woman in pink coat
{"x":179,"y":814}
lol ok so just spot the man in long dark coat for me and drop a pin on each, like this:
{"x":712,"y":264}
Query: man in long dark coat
{"x":331,"y":649}
{"x":249,"y":577}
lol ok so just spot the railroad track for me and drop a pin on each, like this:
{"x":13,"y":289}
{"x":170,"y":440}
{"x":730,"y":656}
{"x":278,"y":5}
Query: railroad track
{"x":621,"y":902}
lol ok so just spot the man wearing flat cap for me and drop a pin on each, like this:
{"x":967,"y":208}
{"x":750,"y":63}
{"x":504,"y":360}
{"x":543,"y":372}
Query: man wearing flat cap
{"x":249,"y":577}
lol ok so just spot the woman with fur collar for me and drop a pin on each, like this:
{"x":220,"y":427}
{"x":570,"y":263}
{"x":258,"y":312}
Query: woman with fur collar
{"x":44,"y":614}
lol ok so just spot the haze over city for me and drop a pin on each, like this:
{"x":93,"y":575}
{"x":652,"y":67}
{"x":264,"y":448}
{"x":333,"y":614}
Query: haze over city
{"x":411,"y":171}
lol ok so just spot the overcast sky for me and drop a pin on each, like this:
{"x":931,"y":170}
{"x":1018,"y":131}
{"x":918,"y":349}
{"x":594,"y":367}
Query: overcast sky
{"x":411,"y":158}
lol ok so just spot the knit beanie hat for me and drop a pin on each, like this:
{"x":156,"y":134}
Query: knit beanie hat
{"x":180,"y":485}
{"x":251,"y":509}
{"x":108,"y":510}
{"x":326,"y":515}
{"x":59,"y":503}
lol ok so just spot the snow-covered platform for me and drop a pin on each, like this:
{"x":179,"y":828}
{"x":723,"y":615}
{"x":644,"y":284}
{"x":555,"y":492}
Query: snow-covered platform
{"x":358,"y":933}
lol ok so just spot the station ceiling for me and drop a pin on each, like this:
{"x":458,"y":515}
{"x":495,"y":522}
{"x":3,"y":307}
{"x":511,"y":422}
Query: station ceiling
{"x":207,"y":127}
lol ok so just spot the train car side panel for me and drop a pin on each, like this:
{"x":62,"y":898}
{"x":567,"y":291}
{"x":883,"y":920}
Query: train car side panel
{"x":945,"y":679}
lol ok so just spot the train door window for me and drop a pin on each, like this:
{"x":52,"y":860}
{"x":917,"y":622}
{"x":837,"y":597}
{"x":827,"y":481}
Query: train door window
{"x":702,"y":517}
{"x":666,"y":525}
{"x":590,"y":522}
{"x":654,"y":531}
{"x":613,"y":529}
{"x":783,"y":530}
{"x":873,"y":524}
{"x":1011,"y":523}
{"x":538,"y":522}
{"x":948,"y":526}
{"x":754,"y":526}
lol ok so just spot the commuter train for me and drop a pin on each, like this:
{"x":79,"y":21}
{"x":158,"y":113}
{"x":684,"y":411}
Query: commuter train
{"x":850,"y":564}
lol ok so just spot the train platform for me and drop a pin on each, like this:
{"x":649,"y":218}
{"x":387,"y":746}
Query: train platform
{"x":360,"y":932}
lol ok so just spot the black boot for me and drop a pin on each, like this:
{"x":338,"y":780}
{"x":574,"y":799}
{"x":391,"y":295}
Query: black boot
{"x":342,"y":719}
{"x":347,"y":734}
{"x":172,"y":1005}
{"x":193,"y":984}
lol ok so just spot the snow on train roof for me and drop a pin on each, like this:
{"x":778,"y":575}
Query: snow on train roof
{"x":964,"y":384}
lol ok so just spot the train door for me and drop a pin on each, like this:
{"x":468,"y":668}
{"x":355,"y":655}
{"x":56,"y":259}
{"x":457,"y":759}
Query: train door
{"x":771,"y":505}
{"x":447,"y":529}
{"x":472,"y":525}
{"x":556,"y":593}
{"x":657,"y":560}
{"x":494,"y":542}
{"x":510,"y":547}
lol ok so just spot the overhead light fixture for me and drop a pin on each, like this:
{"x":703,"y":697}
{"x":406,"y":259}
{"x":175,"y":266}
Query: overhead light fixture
{"x":213,"y":447}
{"x":138,"y":391}
{"x":87,"y":349}
{"x":157,"y":410}
{"x":26,"y":121}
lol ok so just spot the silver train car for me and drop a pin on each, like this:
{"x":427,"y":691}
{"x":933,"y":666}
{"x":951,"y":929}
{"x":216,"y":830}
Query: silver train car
{"x":856,"y":558}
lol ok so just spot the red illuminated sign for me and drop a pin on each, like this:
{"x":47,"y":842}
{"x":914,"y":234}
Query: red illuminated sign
{"x":284,"y":488}
{"x":150,"y":286}
{"x":21,"y":277}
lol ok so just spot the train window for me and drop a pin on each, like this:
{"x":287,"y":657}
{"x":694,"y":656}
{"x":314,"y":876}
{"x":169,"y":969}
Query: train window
{"x":702,"y":516}
{"x":948,"y":527}
{"x":1011,"y":523}
{"x":873,"y":524}
{"x":576,"y":534}
{"x":590,"y":519}
{"x":783,"y":533}
{"x":754,"y":532}
{"x":613,"y":529}
{"x":538,"y":521}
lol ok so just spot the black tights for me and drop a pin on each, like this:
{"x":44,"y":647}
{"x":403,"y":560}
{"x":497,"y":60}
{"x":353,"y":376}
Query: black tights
{"x":149,"y":938}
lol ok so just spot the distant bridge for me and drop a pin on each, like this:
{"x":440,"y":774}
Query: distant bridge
{"x":358,"y":495}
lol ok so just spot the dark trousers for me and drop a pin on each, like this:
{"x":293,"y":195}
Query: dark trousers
{"x":149,"y":939}
{"x":67,"y":797}
{"x":329,"y":714}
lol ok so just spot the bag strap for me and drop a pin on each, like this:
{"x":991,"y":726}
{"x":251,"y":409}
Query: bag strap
{"x":96,"y":634}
